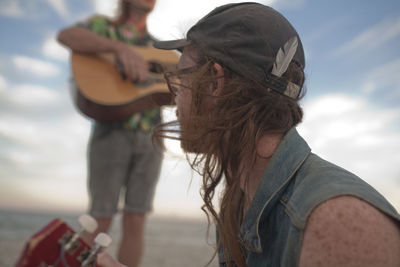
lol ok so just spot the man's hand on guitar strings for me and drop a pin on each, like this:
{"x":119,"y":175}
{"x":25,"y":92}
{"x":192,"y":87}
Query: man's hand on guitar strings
{"x":130,"y":64}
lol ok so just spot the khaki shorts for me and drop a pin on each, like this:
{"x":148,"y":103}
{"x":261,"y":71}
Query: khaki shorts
{"x":122,"y":165}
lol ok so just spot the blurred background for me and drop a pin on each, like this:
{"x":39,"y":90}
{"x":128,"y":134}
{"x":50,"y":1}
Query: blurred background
{"x":352,"y":106}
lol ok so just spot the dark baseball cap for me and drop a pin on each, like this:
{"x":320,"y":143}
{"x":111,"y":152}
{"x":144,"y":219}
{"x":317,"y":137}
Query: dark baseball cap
{"x":245,"y":37}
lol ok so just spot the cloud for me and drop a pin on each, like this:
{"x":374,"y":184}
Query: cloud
{"x":59,"y":6}
{"x":35,"y":66}
{"x":61,"y":141}
{"x":383,"y":76}
{"x":3,"y":83}
{"x":11,"y":8}
{"x":19,"y":130}
{"x":32,"y":9}
{"x":350,"y":132}
{"x":105,"y":7}
{"x":371,"y":38}
{"x":53,"y":49}
{"x":172,"y":18}
{"x":42,"y":156}
{"x":324,"y":30}
{"x":20,"y":157}
{"x":32,"y":95}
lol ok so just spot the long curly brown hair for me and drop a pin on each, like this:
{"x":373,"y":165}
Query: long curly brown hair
{"x":223,"y":136}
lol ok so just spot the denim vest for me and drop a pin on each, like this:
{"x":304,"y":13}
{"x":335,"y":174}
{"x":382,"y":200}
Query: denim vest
{"x":293,"y":184}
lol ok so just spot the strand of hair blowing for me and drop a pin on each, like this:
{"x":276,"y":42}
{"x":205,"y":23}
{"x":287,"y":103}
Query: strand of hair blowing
{"x":227,"y":136}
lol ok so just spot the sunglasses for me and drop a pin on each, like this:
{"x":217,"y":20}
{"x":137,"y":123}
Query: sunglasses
{"x":173,"y":78}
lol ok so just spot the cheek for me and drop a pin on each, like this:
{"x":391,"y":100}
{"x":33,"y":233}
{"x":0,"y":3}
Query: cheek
{"x":183,"y":102}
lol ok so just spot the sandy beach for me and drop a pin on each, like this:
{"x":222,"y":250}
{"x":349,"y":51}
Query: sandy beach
{"x":177,"y":242}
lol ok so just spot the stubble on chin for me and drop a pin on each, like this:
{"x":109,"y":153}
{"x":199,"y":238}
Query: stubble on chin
{"x":190,"y":139}
{"x":142,"y":7}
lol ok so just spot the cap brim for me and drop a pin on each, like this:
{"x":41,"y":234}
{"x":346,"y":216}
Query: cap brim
{"x":171,"y":45}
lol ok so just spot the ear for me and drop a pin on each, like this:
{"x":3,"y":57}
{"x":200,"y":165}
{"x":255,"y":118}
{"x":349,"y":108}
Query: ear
{"x":218,"y":85}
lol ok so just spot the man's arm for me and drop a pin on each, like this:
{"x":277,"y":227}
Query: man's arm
{"x":347,"y":231}
{"x":82,"y":40}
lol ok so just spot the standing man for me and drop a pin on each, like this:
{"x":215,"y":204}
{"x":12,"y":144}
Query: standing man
{"x":120,"y":154}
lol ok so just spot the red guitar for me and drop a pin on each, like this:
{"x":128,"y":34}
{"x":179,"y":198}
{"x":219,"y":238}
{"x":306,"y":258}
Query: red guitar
{"x":58,"y":245}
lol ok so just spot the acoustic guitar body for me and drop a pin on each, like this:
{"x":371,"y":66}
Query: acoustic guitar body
{"x":103,"y":94}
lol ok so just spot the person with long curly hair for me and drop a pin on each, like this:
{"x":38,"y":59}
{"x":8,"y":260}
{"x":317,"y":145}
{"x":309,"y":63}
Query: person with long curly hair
{"x":237,"y":88}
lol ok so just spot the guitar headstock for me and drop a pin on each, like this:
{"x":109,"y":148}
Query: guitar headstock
{"x":57,"y":244}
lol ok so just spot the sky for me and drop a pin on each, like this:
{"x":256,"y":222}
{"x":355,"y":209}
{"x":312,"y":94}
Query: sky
{"x":352,"y":105}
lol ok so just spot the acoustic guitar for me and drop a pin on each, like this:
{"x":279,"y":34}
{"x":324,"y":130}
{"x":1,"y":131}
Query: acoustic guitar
{"x":104,"y":94}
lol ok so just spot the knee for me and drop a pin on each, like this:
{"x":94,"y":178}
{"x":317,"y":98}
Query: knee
{"x":135,"y":220}
{"x":103,"y":224}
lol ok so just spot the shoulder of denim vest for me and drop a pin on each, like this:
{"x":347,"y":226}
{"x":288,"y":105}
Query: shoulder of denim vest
{"x":319,"y":180}
{"x":301,"y":180}
{"x":281,"y":169}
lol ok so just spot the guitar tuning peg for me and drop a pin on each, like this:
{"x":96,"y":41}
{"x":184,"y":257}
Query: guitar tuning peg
{"x":101,"y":241}
{"x":87,"y":223}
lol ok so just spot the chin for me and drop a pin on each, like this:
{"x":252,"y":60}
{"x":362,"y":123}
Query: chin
{"x":192,"y":146}
{"x":149,"y":4}
{"x":143,"y":5}
{"x":187,"y":145}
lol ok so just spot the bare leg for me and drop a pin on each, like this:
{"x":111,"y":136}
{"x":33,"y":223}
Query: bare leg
{"x":131,"y":246}
{"x":103,"y":227}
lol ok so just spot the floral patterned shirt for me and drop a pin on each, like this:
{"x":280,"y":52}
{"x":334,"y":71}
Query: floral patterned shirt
{"x":145,"y":120}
